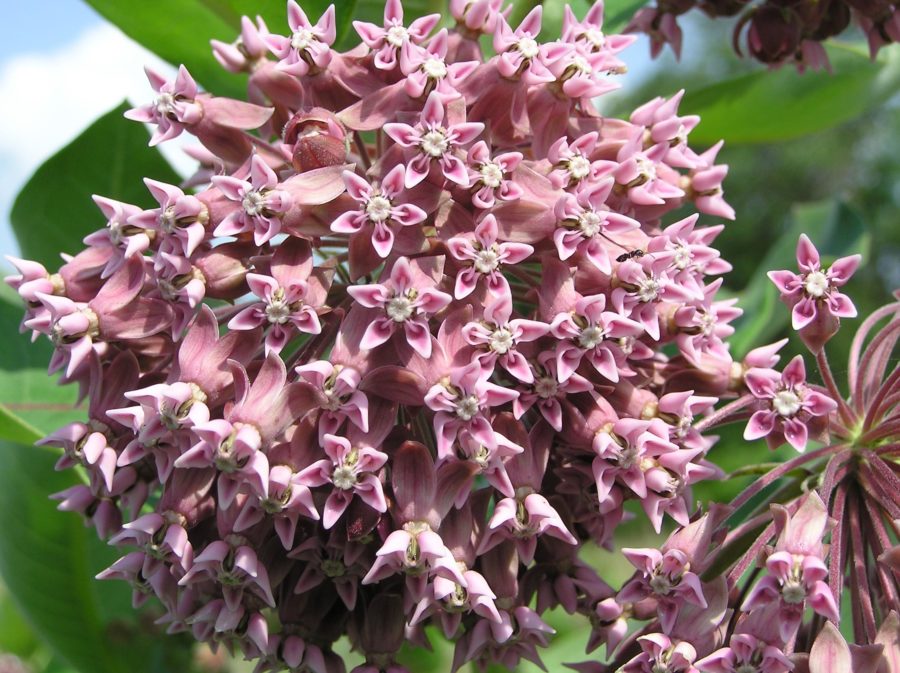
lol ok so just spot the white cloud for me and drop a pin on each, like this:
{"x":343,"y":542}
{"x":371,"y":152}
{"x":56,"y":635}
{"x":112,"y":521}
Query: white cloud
{"x":49,"y":98}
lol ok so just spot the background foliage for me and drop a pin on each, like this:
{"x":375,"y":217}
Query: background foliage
{"x":815,"y":153}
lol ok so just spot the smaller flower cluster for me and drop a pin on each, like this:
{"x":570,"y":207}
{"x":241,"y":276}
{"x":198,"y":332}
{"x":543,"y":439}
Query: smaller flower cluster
{"x":776,"y":32}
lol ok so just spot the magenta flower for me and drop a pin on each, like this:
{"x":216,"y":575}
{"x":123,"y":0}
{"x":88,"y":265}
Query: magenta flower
{"x":308,"y":47}
{"x":428,"y":71}
{"x":180,"y":221}
{"x":814,"y":298}
{"x":285,"y":296}
{"x":407,"y":298}
{"x":483,"y":257}
{"x":352,"y":470}
{"x":488,"y":176}
{"x":174,"y":107}
{"x":378,"y":209}
{"x":434,"y":142}
{"x":500,"y":336}
{"x":791,"y":406}
{"x":387,"y":40}
{"x":588,"y":227}
{"x":261,"y":203}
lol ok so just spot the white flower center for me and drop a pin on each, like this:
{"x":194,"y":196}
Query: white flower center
{"x":816,"y":284}
{"x":165,"y":104}
{"x":793,"y":592}
{"x":253,"y":203}
{"x":378,"y":208}
{"x":343,"y":477}
{"x":491,"y":175}
{"x":278,"y":311}
{"x":590,"y":337}
{"x":546,"y":387}
{"x":786,"y":402}
{"x":501,"y":340}
{"x":434,"y":68}
{"x":646,"y":168}
{"x":582,"y":65}
{"x":487,"y":260}
{"x":167,"y":220}
{"x":302,"y":39}
{"x":589,"y":222}
{"x":435,"y":143}
{"x":467,"y":407}
{"x":648,"y":289}
{"x":708,"y":323}
{"x":399,"y":308}
{"x":396,"y":36}
{"x":595,"y":37}
{"x":579,"y":167}
{"x":528,"y":47}
{"x":660,"y":585}
{"x":682,"y":257}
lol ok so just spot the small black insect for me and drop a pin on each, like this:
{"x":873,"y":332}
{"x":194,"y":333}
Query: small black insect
{"x":630,"y":255}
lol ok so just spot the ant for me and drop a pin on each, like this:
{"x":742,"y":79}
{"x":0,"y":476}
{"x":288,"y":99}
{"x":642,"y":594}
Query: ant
{"x":630,"y":255}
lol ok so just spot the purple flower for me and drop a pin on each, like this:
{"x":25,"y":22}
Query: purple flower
{"x":261,"y":204}
{"x":174,"y":107}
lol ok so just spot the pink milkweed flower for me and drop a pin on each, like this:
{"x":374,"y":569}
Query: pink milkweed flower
{"x":428,"y":72}
{"x":814,"y":298}
{"x":520,"y":56}
{"x":589,"y":33}
{"x":461,"y":401}
{"x":408,"y":298}
{"x":796,"y":572}
{"x":180,"y":220}
{"x":351,"y":469}
{"x":236,"y":568}
{"x":174,"y":107}
{"x":249,"y":49}
{"x":484,"y":258}
{"x":642,"y":285}
{"x":661,"y":654}
{"x":706,"y":184}
{"x":260,"y":202}
{"x":309,"y":46}
{"x":790,"y":405}
{"x":639,"y":172}
{"x":285,"y":295}
{"x":341,"y":398}
{"x":378,"y":209}
{"x":500,"y":336}
{"x":571,"y":161}
{"x":547,"y":392}
{"x":285,"y":498}
{"x":387,"y":41}
{"x":124,"y":239}
{"x":488,"y":176}
{"x":589,"y":331}
{"x":660,"y":119}
{"x":415,"y":548}
{"x":479,"y":16}
{"x":586,"y":224}
{"x":434,"y":142}
{"x":581,"y":73}
{"x":665,"y":576}
{"x":746,"y":652}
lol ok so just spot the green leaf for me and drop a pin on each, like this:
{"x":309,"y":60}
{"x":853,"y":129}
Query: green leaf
{"x":837,"y":230}
{"x":48,"y":560}
{"x":767,"y":106}
{"x":54,"y":210}
{"x":15,"y":635}
{"x":46,"y":564}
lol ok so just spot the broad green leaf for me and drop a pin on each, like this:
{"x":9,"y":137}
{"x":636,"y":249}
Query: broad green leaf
{"x":15,"y":635}
{"x":48,"y":560}
{"x":767,"y":106}
{"x":54,"y":210}
{"x":835,"y":228}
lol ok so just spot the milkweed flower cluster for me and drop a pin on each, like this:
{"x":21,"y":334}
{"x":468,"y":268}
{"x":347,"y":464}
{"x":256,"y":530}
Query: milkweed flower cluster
{"x":413,"y":336}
